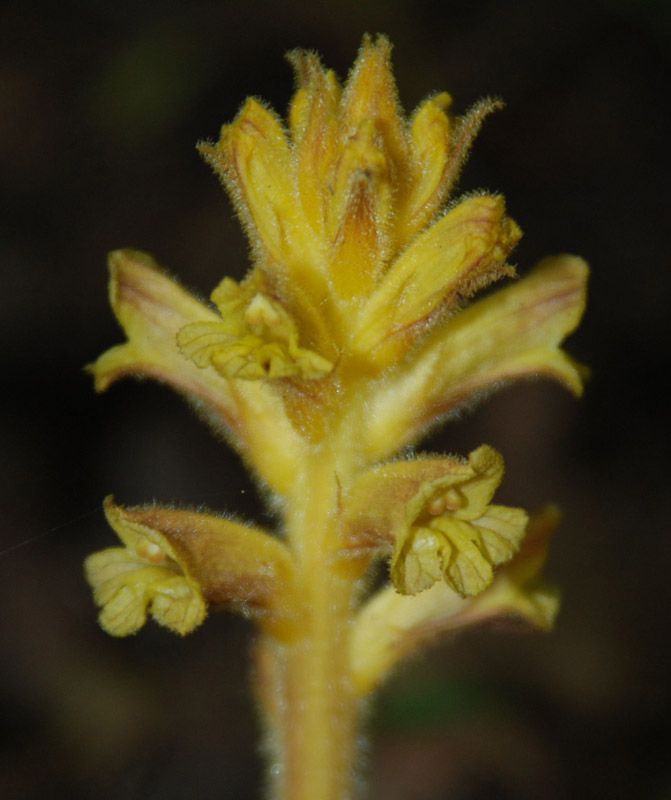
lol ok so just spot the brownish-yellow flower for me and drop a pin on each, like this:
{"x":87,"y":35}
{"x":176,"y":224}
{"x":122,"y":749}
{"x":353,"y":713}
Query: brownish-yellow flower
{"x":348,"y":339}
{"x":175,"y":563}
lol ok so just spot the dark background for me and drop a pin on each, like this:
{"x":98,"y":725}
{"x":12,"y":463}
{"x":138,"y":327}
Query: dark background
{"x":100,"y":107}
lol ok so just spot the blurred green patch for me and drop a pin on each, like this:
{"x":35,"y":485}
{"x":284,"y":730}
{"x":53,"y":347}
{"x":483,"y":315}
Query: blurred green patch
{"x":431,"y":703}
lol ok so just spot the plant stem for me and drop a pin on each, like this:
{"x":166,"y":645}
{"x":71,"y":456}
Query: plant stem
{"x":305,"y":686}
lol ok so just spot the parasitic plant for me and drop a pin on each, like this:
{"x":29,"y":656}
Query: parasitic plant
{"x":349,"y":339}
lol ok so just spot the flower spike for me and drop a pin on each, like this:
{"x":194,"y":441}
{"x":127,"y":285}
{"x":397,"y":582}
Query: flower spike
{"x":357,"y":329}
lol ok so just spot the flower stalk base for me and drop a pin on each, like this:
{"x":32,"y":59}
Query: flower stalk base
{"x":314,"y":715}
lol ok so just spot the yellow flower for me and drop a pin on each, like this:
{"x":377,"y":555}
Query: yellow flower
{"x":256,"y":339}
{"x":436,"y":514}
{"x":513,"y":334}
{"x":453,"y":533}
{"x":175,"y":563}
{"x":152,"y":309}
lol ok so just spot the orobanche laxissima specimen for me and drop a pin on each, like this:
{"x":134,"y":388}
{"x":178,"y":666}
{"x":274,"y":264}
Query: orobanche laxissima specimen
{"x":349,"y":338}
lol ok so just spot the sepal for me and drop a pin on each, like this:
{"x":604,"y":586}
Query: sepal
{"x":313,"y":123}
{"x":360,"y":214}
{"x":430,"y":134}
{"x":370,"y":94}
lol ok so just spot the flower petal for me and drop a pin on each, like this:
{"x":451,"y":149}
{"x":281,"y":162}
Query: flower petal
{"x":455,"y":535}
{"x":152,"y":308}
{"x":263,"y":344}
{"x":514,"y":333}
{"x":125,"y":588}
{"x":461,"y":553}
{"x":486,"y":473}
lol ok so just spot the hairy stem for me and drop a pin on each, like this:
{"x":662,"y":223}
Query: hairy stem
{"x":305,"y":687}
